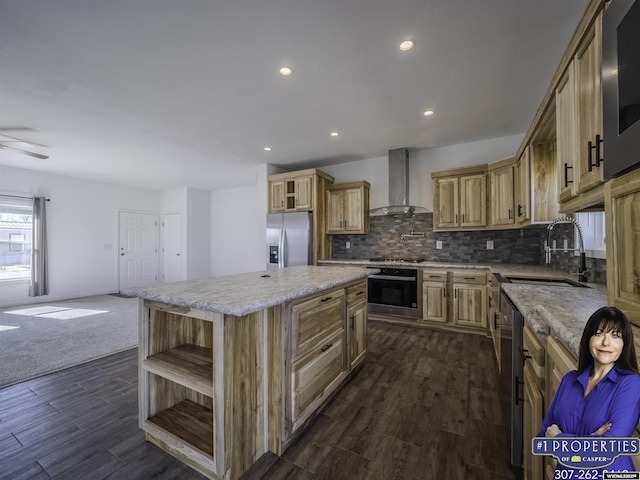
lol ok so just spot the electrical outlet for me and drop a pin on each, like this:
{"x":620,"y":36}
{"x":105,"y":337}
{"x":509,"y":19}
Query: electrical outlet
{"x":348,"y":245}
{"x":489,"y":244}
{"x":439,"y":244}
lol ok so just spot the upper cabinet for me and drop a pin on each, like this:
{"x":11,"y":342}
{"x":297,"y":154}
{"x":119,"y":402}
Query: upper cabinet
{"x":291,"y":194}
{"x":460,"y":199}
{"x":522,"y":182}
{"x":588,"y":73}
{"x":622,"y":204}
{"x":502,"y":187}
{"x":348,"y":208}
{"x":567,"y":141}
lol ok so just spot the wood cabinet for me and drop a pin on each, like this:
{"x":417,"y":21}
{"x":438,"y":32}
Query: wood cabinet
{"x":348,"y":208}
{"x":522,"y":174}
{"x":434,"y":296}
{"x":558,"y":362}
{"x":454,"y":300}
{"x":469,"y":299}
{"x":502,"y":188}
{"x":356,"y":324}
{"x":460,"y":199}
{"x":622,"y":207}
{"x":588,"y":73}
{"x":534,"y":407}
{"x":291,"y":194}
{"x":567,"y":144}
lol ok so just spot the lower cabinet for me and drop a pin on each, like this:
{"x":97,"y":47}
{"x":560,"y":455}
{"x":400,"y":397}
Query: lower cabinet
{"x":559,"y":361}
{"x":434,"y":296}
{"x":534,"y":406}
{"x":455,"y":299}
{"x":356,"y":324}
{"x":470,"y":298}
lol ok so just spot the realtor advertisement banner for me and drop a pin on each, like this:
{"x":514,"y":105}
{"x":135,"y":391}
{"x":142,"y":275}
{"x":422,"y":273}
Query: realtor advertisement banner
{"x":589,"y":452}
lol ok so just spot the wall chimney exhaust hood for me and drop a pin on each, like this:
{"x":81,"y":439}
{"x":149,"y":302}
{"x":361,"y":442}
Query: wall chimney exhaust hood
{"x":398,"y":187}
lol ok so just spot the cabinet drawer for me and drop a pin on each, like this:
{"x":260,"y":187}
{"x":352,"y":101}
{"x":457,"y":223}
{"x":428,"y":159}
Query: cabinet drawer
{"x":472,"y":276}
{"x":356,"y":293}
{"x":315,"y":319}
{"x":434,"y":276}
{"x":533,"y":348}
{"x":314,"y":374}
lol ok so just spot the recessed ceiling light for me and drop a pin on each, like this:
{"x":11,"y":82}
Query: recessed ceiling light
{"x":334,"y":134}
{"x":286,"y":71}
{"x":407,"y":45}
{"x":428,"y":113}
{"x":267,"y":149}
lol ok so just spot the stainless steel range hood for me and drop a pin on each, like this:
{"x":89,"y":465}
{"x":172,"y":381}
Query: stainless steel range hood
{"x":398,"y":187}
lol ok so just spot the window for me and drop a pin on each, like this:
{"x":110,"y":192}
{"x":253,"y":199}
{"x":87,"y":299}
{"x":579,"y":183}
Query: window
{"x":593,"y":232}
{"x":16,"y":215}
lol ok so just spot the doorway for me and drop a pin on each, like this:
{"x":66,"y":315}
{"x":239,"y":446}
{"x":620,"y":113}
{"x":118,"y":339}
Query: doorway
{"x":137,"y":249}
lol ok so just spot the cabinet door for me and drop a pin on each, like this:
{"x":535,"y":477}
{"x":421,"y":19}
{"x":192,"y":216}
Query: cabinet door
{"x":335,"y":209}
{"x":434,"y":301}
{"x":473,"y":200}
{"x":446,"y":215}
{"x":502,"y":195}
{"x":568,"y":167}
{"x":469,"y":305}
{"x":315,"y":375}
{"x":357,"y":332}
{"x":276,"y":196}
{"x":589,"y":106}
{"x":533,"y":416}
{"x":523,"y":187}
{"x":353,"y":210}
{"x":622,"y":206}
{"x":304,"y":193}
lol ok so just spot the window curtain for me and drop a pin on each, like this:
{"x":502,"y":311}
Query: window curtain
{"x":39,"y":270}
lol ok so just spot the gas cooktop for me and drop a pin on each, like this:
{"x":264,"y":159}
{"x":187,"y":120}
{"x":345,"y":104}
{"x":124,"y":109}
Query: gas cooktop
{"x":406,"y":260}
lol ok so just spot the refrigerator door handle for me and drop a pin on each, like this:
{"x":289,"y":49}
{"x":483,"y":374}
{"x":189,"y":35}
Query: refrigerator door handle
{"x":281,"y":248}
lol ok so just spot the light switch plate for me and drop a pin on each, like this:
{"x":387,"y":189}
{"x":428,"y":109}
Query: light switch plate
{"x":348,"y":245}
{"x":439,"y":244}
{"x":489,"y":244}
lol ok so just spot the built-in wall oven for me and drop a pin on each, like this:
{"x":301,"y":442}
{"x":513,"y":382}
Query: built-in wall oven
{"x":394,"y":291}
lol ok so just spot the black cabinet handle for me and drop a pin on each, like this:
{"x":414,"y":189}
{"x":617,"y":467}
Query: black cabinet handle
{"x":519,"y":210}
{"x":327,"y":347}
{"x":496,"y":317}
{"x":353,"y":322}
{"x":566,"y":174}
{"x":325,"y":299}
{"x":598,"y":151}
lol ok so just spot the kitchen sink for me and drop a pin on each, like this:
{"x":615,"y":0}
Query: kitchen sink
{"x":558,"y":282}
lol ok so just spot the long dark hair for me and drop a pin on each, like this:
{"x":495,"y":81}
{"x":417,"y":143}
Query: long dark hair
{"x":608,"y":319}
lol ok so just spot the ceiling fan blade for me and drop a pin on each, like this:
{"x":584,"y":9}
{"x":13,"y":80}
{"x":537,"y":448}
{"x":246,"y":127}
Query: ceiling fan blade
{"x":26,"y":152}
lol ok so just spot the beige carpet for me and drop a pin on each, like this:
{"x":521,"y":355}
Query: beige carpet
{"x":43,"y":338}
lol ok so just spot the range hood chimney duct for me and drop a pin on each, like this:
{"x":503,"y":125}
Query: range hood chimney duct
{"x":398,"y":186}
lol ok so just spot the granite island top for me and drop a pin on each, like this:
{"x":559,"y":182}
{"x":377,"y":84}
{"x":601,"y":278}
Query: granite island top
{"x":246,"y":293}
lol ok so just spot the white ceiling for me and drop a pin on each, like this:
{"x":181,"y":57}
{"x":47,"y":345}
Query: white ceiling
{"x":168,"y":93}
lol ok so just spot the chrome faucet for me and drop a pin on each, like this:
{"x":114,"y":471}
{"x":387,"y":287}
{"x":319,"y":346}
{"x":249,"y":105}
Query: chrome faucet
{"x":582,"y":272}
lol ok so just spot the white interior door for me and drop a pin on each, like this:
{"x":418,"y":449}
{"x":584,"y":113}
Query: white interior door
{"x":172,"y":247}
{"x":138,"y":249}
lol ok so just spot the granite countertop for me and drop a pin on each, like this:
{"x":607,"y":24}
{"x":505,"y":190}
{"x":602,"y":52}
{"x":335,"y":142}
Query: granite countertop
{"x":505,"y":269}
{"x":250,"y":292}
{"x":560,"y":311}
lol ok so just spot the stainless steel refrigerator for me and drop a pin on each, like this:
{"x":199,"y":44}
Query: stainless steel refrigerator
{"x":289,"y":239}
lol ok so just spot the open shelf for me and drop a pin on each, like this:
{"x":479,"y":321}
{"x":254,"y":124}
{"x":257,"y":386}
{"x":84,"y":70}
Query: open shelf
{"x":189,"y":421}
{"x":188,"y":365}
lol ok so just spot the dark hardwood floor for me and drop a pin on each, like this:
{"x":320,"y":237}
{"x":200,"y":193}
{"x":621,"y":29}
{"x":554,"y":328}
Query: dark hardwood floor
{"x":424,"y":405}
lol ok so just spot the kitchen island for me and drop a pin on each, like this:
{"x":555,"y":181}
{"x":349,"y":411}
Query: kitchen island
{"x":232,"y":367}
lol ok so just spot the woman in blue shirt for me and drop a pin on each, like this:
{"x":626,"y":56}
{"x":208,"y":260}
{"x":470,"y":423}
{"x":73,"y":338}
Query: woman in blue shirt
{"x":602,"y":397}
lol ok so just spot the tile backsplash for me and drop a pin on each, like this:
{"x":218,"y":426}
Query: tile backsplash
{"x":518,"y":246}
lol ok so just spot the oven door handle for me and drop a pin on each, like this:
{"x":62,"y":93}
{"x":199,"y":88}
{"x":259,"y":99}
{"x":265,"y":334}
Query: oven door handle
{"x":392,"y":277}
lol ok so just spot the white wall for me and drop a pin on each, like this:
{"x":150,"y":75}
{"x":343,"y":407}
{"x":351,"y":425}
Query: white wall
{"x":82,"y":221}
{"x":238,"y":241}
{"x":421,"y":164}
